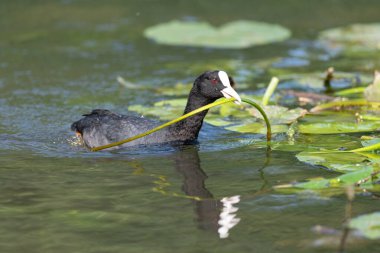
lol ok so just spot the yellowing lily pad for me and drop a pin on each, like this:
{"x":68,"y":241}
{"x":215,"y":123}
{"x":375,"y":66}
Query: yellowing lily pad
{"x":233,"y":35}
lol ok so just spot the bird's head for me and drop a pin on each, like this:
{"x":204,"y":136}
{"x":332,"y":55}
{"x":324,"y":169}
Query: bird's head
{"x":216,"y":84}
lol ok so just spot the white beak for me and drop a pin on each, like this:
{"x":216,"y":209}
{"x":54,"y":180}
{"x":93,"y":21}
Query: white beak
{"x":228,"y":92}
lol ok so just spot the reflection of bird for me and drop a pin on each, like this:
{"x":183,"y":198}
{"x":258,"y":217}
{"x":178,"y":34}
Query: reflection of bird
{"x":207,"y":208}
{"x":102,"y":127}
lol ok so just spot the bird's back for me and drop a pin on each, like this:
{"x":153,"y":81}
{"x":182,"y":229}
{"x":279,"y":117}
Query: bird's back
{"x":101,"y":127}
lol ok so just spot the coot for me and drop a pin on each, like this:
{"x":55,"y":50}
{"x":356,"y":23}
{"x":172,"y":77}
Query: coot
{"x":101,"y":127}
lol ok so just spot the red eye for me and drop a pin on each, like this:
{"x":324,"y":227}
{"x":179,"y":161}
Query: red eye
{"x":214,"y":81}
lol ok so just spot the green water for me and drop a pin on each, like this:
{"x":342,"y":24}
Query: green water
{"x":60,"y":59}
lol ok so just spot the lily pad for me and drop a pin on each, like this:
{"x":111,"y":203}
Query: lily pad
{"x":334,"y":185}
{"x":339,"y":127}
{"x":368,"y":225}
{"x":355,"y":37}
{"x":179,"y":89}
{"x":257,"y":127}
{"x":279,"y":114}
{"x":314,"y":81}
{"x":234,"y":35}
{"x":340,"y":162}
{"x":164,"y":110}
{"x":313,"y":143}
{"x":343,"y":180}
{"x":332,"y":122}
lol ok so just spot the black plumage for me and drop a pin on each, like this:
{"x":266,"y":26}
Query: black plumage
{"x":101,"y":127}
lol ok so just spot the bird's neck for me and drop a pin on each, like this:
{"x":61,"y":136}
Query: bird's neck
{"x":189,"y":128}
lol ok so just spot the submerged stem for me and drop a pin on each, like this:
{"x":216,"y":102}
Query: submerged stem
{"x":219,"y":102}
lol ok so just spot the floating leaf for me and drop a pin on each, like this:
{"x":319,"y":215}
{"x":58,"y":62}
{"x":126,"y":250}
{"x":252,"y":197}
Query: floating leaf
{"x":257,"y":127}
{"x":314,"y":81}
{"x":340,"y":181}
{"x":234,"y":35}
{"x":216,"y":120}
{"x":368,"y":225}
{"x":177,"y":90}
{"x":314,"y":142}
{"x":164,"y":110}
{"x":355,"y":37}
{"x":279,"y":114}
{"x":340,"y":162}
{"x":333,"y":186}
{"x":332,"y":122}
{"x":339,"y":127}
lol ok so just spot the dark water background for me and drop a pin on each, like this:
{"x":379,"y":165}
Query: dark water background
{"x":60,"y":59}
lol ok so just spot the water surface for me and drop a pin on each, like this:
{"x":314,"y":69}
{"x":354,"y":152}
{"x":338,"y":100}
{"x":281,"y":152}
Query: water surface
{"x":60,"y":59}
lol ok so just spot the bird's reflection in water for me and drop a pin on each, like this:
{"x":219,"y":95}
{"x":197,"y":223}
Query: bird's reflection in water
{"x":212,"y":214}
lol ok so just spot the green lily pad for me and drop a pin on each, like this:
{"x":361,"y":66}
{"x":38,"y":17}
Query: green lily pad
{"x":164,"y":110}
{"x":334,"y":185}
{"x":179,"y":89}
{"x":257,"y":127}
{"x":314,"y":143}
{"x":234,"y":35}
{"x":279,"y":114}
{"x":343,"y":180}
{"x":340,"y":162}
{"x":368,"y":225}
{"x":355,"y":37}
{"x":332,"y":122}
{"x":280,"y":118}
{"x":339,"y":127}
{"x":315,"y":80}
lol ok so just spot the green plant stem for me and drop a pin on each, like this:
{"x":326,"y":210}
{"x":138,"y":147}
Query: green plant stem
{"x":350,"y":91}
{"x":258,"y":107}
{"x":219,"y":102}
{"x":356,"y":102}
{"x":269,"y":91}
{"x":367,"y":148}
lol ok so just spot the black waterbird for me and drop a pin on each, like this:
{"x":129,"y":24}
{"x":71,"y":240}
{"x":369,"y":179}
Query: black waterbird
{"x":102,"y":127}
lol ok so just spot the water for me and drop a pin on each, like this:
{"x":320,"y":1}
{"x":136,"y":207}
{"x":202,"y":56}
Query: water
{"x":60,"y":59}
